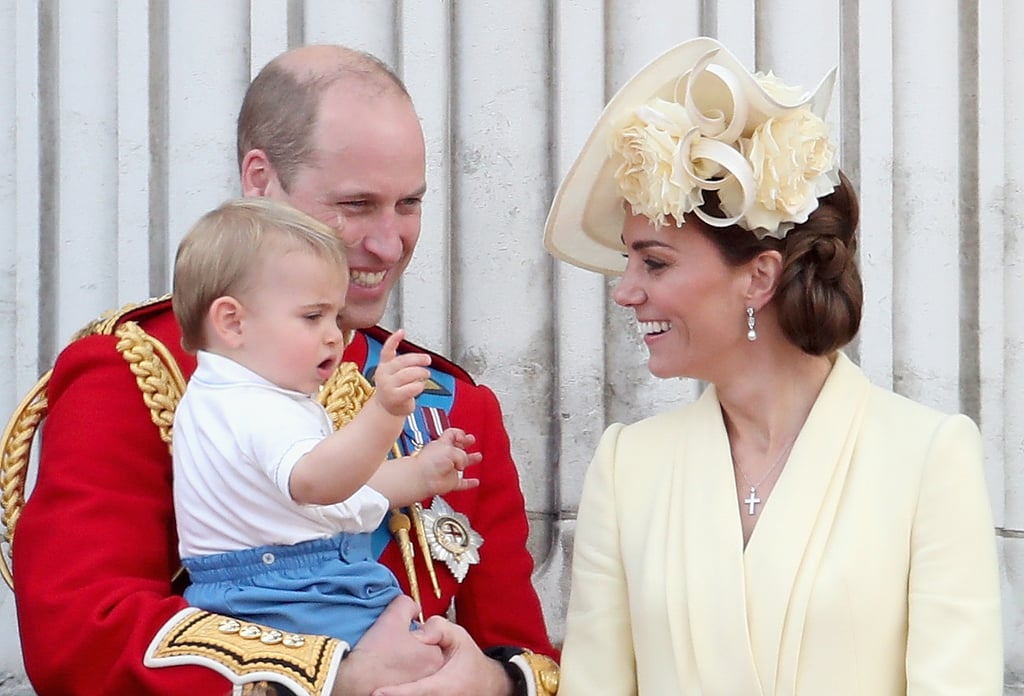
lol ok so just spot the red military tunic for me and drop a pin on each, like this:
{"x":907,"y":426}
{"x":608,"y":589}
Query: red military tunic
{"x":95,"y":548}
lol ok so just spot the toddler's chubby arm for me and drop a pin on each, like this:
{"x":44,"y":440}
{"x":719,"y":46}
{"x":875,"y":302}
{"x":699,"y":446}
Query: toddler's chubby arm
{"x":347,"y":459}
{"x":434,"y":470}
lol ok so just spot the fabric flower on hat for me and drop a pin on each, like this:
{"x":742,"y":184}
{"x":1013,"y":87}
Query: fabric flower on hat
{"x":653,"y":143}
{"x":793,"y":164}
{"x":769,"y":169}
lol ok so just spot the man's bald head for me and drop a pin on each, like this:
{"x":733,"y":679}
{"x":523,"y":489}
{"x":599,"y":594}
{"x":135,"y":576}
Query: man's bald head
{"x":279,"y":112}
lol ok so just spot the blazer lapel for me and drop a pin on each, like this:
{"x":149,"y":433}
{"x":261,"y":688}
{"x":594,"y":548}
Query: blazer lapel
{"x":710,"y":615}
{"x":785,"y":550}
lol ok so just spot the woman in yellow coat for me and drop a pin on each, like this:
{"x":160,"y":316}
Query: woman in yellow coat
{"x":797,"y":530}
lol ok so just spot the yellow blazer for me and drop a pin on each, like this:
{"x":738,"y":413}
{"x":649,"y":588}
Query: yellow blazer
{"x":872,"y":569}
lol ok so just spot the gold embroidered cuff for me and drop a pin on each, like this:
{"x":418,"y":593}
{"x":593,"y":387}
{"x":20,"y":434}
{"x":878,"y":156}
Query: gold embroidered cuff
{"x":247,"y":653}
{"x":541,"y":673}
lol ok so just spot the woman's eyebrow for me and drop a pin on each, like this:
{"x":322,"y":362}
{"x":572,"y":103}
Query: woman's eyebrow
{"x":642,"y":244}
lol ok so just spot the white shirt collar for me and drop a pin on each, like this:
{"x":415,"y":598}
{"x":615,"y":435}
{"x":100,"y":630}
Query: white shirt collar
{"x":217,"y":370}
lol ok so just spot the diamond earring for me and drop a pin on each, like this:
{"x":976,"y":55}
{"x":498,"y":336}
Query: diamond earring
{"x":751,"y":333}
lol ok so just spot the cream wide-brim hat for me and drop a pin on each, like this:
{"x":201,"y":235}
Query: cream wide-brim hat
{"x":584,"y":224}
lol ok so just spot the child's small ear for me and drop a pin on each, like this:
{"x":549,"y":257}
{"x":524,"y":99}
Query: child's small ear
{"x":225,"y":317}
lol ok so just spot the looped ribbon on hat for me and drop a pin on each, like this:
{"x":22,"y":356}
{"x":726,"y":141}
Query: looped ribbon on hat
{"x":711,"y":138}
{"x":770,"y":161}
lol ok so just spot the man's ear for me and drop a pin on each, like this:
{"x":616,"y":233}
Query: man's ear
{"x":257,"y":174}
{"x":225,"y":320}
{"x":765,"y":275}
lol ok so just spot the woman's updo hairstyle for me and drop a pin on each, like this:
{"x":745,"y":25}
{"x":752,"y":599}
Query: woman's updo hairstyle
{"x":819,"y":295}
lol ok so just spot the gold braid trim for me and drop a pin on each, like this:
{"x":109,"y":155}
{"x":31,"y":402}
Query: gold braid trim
{"x":156,"y":373}
{"x":14,"y":461}
{"x":344,"y":394}
{"x":542,"y":673}
{"x":246,"y":652}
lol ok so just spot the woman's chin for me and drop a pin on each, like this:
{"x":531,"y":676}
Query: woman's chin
{"x":661,"y":371}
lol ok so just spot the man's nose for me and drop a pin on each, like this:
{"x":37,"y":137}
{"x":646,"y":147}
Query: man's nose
{"x":384,"y":240}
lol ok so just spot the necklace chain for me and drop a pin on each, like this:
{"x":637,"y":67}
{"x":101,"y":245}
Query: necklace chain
{"x":752,"y":500}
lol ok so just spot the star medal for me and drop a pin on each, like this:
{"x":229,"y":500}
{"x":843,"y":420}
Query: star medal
{"x":450,"y":537}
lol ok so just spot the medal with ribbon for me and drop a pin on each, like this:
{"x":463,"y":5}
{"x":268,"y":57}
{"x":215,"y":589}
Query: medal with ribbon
{"x":447,"y":534}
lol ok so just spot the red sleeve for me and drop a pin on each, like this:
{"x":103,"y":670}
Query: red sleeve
{"x":95,"y":547}
{"x":497,"y":602}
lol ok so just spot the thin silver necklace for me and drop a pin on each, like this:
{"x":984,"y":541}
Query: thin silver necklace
{"x":752,"y":500}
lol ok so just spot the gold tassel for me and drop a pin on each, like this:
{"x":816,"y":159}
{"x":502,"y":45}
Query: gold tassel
{"x":421,"y":537}
{"x":398,"y":524}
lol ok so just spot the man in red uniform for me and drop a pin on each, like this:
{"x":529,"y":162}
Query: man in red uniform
{"x":333,"y":132}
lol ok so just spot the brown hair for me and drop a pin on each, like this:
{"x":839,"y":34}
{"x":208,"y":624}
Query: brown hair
{"x":220,"y":253}
{"x":279,"y":111}
{"x":819,"y":295}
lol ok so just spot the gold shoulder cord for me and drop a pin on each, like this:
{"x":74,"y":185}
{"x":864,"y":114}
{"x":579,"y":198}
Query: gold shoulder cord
{"x":344,"y":394}
{"x":156,"y":373}
{"x":14,"y":461}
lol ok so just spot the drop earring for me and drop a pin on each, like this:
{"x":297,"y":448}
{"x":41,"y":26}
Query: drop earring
{"x":751,"y":333}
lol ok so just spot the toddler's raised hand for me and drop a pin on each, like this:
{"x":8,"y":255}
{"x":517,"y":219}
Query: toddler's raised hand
{"x":399,"y":379}
{"x":441,"y":462}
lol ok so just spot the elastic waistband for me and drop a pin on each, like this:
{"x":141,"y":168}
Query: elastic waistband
{"x":222,"y":567}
